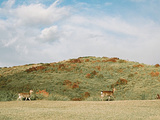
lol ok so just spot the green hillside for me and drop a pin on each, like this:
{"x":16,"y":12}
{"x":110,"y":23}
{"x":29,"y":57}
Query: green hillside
{"x":82,"y":79}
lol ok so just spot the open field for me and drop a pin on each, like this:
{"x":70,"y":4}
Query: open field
{"x":80,"y":110}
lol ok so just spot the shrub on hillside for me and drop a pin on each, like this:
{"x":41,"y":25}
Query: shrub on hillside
{"x":61,"y":66}
{"x":76,"y":60}
{"x":154,"y":74}
{"x":88,"y":75}
{"x":86,"y":95}
{"x":87,"y":60}
{"x":43,"y":93}
{"x":75,"y":85}
{"x":157,"y":65}
{"x":98,"y":68}
{"x":69,"y":84}
{"x":121,"y":81}
{"x":92,"y":74}
{"x":137,"y":66}
{"x":111,"y":60}
{"x":35,"y":69}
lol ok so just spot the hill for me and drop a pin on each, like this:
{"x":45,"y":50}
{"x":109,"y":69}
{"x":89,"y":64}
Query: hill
{"x":81,"y":79}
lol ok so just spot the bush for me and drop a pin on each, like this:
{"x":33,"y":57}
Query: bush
{"x":7,"y":96}
{"x":157,"y":65}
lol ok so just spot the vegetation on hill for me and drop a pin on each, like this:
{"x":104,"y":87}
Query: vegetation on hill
{"x":81,"y":79}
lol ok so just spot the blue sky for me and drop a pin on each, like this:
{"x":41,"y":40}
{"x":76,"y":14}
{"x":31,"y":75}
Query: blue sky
{"x":44,"y":31}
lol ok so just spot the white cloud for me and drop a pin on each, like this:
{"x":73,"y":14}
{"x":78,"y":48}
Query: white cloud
{"x":49,"y":34}
{"x":37,"y":33}
{"x":108,"y":3}
{"x":9,"y":3}
{"x":111,"y":36}
{"x":39,"y":15}
{"x":138,"y":0}
{"x":21,"y":26}
{"x":27,"y":20}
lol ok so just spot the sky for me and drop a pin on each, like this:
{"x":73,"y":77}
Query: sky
{"x":45,"y":31}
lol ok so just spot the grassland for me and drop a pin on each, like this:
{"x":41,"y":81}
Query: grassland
{"x":80,"y":110}
{"x":81,"y":79}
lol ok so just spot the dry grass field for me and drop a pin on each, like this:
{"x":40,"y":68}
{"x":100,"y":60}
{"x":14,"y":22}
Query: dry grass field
{"x":80,"y":110}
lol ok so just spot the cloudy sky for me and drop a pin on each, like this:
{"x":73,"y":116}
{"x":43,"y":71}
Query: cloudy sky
{"x":44,"y":31}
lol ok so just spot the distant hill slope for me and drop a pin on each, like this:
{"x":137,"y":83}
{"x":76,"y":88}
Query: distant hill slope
{"x":81,"y":79}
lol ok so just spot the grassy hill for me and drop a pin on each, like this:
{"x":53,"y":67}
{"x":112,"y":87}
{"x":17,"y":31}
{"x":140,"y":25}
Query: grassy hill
{"x":81,"y":79}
